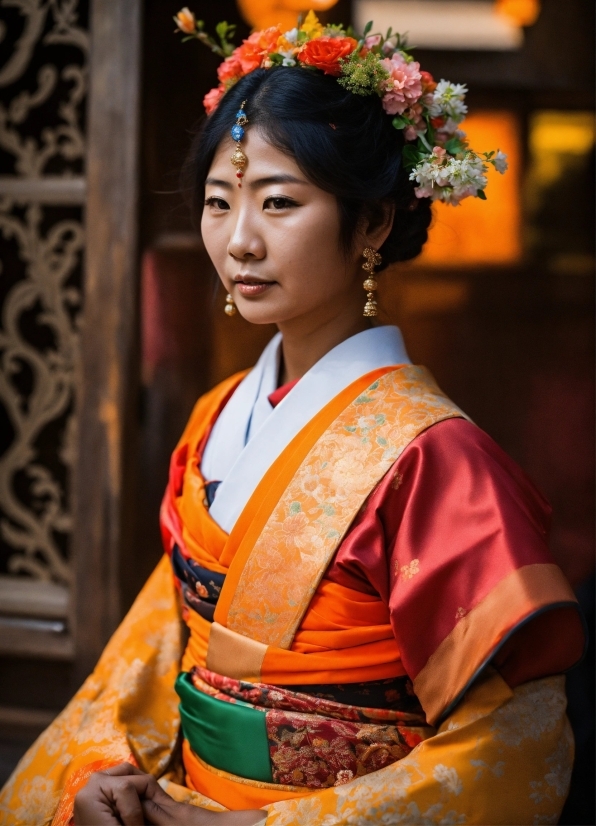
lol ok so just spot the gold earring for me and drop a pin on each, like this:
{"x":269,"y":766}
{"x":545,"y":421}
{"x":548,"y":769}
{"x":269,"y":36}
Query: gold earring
{"x":230,"y":308}
{"x":373,"y":259}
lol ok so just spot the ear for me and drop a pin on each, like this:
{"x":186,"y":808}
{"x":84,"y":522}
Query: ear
{"x":375,"y":227}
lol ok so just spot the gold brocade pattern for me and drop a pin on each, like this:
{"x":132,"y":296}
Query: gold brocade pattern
{"x":318,"y":506}
{"x":127,"y":707}
{"x":502,"y":757}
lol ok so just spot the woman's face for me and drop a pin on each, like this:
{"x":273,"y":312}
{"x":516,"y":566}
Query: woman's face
{"x":275,"y":240}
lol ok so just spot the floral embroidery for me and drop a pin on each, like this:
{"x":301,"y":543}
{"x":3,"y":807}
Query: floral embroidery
{"x":448,"y":778}
{"x":397,"y":480}
{"x":411,"y":569}
{"x":460,"y":613}
{"x":537,"y":710}
{"x":437,"y":783}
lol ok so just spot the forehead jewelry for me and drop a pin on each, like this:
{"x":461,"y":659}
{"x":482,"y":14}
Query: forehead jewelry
{"x":239,"y":159}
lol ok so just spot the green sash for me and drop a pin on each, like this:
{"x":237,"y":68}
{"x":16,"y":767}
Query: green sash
{"x":228,"y":736}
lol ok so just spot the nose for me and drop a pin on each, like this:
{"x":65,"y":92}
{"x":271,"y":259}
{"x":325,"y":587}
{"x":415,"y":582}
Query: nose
{"x":245,"y":240}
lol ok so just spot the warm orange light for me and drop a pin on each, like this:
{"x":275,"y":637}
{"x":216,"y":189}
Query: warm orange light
{"x":521,"y":12}
{"x":283,"y":13}
{"x":482,"y":232}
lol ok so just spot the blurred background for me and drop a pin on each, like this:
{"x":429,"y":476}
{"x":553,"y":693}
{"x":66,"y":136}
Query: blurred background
{"x":112,"y":323}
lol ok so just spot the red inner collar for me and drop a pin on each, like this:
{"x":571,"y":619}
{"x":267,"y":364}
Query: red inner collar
{"x":281,"y":392}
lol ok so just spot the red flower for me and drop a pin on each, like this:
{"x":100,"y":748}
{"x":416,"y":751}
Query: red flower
{"x":325,"y":53}
{"x":212,"y":98}
{"x":428,"y":82}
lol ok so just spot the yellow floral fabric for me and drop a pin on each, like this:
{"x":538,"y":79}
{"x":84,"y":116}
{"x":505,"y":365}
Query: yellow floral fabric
{"x":127,"y":709}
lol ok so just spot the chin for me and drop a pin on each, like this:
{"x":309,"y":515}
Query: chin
{"x":255,"y":314}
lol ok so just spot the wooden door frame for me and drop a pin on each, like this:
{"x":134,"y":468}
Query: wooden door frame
{"x":103,"y":483}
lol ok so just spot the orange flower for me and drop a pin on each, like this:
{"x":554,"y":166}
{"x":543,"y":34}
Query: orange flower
{"x":212,"y":98}
{"x":325,"y":53}
{"x":230,"y":69}
{"x":185,"y":20}
{"x":428,"y":82}
{"x":254,"y":49}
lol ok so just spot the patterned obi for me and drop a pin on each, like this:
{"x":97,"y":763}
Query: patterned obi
{"x":289,"y":737}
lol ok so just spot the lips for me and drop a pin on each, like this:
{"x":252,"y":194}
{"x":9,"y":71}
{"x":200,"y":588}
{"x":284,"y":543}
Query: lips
{"x":250,"y":285}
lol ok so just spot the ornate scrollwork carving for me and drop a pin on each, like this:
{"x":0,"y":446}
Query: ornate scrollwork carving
{"x":41,"y":136}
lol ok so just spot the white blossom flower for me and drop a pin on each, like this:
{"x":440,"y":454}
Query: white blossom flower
{"x":442,"y":177}
{"x":448,"y":100}
{"x":500,"y":162}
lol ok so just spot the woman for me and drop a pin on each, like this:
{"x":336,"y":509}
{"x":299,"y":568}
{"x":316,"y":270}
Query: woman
{"x":373,"y":622}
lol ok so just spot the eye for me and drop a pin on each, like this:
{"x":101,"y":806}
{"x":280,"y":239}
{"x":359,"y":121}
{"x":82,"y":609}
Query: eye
{"x":218,"y":204}
{"x":278,"y":203}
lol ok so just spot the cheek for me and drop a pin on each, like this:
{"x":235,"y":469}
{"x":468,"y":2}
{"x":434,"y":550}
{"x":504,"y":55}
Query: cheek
{"x":313,"y":240}
{"x":213,"y":234}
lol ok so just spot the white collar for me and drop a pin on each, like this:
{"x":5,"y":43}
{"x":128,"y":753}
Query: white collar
{"x":249,"y":434}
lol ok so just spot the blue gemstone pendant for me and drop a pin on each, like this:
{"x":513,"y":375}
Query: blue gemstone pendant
{"x":237,"y":132}
{"x":239,"y":159}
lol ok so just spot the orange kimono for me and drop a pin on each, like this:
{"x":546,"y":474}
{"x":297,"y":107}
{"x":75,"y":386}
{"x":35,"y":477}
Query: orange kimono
{"x":377,"y":639}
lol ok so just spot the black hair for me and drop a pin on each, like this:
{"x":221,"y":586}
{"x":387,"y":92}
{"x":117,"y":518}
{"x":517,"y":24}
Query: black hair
{"x":344,"y":143}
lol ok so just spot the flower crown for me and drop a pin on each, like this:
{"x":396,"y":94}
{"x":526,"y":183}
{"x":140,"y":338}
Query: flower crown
{"x":436,"y":151}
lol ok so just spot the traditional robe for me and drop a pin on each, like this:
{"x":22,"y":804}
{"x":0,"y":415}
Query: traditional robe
{"x":374,"y":616}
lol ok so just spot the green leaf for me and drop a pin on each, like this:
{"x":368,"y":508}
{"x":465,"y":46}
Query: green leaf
{"x":399,"y":122}
{"x":367,"y":28}
{"x":410,"y":156}
{"x":295,"y":507}
{"x":454,"y":145}
{"x":481,"y":194}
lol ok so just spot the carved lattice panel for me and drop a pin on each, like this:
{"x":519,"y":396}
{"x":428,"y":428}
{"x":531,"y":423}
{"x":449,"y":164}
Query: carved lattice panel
{"x":43,"y":83}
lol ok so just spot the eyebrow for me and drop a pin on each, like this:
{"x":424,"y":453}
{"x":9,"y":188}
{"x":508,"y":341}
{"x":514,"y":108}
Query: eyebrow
{"x":270,"y":179}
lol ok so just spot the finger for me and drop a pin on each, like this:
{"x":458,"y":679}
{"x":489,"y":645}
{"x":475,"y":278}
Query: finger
{"x":125,"y":795}
{"x":89,"y":809}
{"x":159,"y":808}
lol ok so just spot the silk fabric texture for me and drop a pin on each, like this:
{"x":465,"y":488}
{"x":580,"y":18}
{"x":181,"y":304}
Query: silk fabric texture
{"x":480,"y":748}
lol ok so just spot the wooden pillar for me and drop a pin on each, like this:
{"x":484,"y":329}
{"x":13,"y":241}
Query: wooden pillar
{"x":109,"y":346}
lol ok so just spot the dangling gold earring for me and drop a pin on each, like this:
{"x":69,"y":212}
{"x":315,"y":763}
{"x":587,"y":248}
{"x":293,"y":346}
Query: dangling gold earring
{"x":230,"y":308}
{"x":373,"y":259}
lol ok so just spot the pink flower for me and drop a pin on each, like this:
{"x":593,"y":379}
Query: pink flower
{"x":372,"y":40}
{"x":404,"y":86}
{"x":212,"y":98}
{"x":439,"y":152}
{"x":418,"y":127}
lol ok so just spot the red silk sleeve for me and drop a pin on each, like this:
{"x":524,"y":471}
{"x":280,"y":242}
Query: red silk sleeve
{"x":454,"y":539}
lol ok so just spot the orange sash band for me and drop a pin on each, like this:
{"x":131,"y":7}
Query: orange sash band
{"x":231,"y":791}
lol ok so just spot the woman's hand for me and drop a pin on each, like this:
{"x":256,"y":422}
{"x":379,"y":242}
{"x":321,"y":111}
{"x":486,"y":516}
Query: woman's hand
{"x":126,"y":795}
